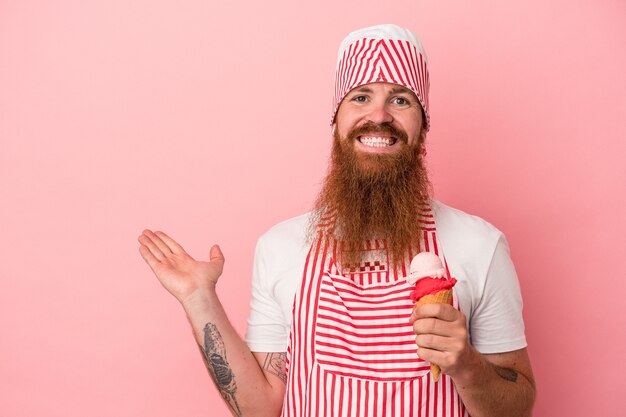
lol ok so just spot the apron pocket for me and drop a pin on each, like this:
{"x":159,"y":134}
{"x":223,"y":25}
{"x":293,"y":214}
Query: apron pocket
{"x":363,"y":332}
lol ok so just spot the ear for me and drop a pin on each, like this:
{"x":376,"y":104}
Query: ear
{"x":423,"y":151}
{"x":422,"y":137}
{"x":333,"y":129}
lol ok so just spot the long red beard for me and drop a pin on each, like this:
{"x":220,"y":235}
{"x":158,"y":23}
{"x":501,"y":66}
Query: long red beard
{"x":373,"y":196}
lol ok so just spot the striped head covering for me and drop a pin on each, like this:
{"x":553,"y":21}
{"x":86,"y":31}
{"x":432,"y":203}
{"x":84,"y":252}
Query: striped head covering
{"x":383,"y":53}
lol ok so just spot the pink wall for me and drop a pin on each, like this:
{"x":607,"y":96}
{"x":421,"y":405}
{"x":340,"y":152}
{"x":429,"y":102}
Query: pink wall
{"x":209,"y":120}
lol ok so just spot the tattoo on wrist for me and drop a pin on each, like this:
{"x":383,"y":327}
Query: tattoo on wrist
{"x":214,"y":355}
{"x":506,"y":373}
{"x":275,"y":363}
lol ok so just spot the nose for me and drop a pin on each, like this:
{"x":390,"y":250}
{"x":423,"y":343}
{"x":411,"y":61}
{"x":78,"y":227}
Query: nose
{"x":379,"y":113}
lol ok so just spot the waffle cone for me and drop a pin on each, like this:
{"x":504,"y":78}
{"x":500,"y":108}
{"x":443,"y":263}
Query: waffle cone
{"x":441,"y":297}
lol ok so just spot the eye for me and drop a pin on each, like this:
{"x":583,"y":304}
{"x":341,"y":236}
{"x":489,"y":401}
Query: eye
{"x":401,"y":101}
{"x":359,"y":99}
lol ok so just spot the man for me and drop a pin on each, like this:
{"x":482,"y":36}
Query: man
{"x":332,"y":330}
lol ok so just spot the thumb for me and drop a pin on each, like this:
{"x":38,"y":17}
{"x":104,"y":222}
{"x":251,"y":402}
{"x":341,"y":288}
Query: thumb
{"x":216,"y":256}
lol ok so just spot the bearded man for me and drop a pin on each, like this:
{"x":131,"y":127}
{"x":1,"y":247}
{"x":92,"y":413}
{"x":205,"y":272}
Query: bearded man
{"x":332,"y":330}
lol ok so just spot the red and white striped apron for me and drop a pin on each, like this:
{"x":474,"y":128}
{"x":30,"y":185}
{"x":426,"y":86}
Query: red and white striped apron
{"x":352,"y":350}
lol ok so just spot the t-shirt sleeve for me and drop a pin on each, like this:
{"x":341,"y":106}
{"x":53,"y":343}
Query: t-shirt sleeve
{"x":496,"y":324}
{"x":266,"y":331}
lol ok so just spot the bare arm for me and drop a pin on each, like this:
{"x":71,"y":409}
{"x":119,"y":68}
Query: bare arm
{"x":248,"y":388}
{"x":490,"y":385}
{"x":500,"y":384}
{"x":273,"y":363}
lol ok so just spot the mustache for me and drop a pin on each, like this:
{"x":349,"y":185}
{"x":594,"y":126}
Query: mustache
{"x":371,"y":127}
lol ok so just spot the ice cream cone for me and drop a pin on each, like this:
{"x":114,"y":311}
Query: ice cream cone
{"x":440,"y":297}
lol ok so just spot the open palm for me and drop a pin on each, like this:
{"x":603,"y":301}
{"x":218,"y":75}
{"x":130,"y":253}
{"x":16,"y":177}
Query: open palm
{"x":177,"y":271}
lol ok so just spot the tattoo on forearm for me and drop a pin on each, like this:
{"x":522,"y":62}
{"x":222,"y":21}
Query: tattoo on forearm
{"x":214,"y":355}
{"x":506,"y":373}
{"x":275,"y":364}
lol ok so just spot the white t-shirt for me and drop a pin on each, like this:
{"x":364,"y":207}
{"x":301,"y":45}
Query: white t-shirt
{"x":477,"y":254}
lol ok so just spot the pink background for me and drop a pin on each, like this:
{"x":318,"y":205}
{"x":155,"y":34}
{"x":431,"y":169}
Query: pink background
{"x":209,"y":120}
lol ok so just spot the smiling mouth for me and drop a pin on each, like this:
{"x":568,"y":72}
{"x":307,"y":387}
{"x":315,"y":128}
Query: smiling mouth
{"x":377,"y":141}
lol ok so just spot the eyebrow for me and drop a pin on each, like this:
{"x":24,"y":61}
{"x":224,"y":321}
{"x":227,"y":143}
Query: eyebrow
{"x":364,"y":89}
{"x":398,"y":89}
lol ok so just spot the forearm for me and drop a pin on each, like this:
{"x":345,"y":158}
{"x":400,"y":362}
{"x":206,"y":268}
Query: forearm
{"x":233,"y":368}
{"x":489,"y":390}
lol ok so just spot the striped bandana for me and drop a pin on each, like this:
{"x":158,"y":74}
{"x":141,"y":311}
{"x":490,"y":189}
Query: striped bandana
{"x":384,"y":53}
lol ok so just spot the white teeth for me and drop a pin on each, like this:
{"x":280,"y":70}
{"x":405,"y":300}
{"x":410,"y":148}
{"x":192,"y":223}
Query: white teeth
{"x":376,"y":141}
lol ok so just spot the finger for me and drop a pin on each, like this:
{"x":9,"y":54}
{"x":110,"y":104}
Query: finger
{"x":433,"y":342}
{"x":158,"y":242}
{"x":147,"y":242}
{"x":171,"y":243}
{"x":433,"y":326}
{"x":217,"y":257}
{"x":440,"y":311}
{"x":148,"y":257}
{"x":431,"y":355}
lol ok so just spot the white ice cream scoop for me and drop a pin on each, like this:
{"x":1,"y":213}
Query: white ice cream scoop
{"x":425,"y":264}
